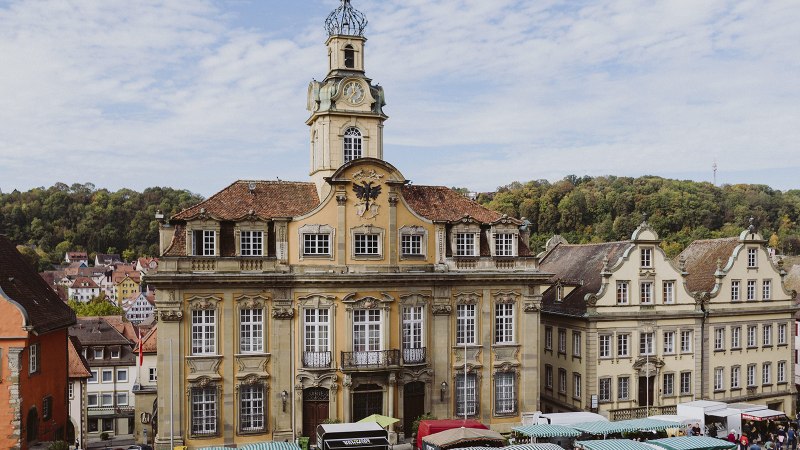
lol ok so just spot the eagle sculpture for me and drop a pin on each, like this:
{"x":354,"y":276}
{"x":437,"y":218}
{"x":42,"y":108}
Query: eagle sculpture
{"x":366,"y":192}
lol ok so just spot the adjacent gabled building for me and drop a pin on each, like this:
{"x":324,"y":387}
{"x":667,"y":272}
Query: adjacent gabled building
{"x":83,"y":289}
{"x":79,"y":374}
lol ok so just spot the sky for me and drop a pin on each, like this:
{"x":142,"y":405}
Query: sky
{"x":195,"y":94}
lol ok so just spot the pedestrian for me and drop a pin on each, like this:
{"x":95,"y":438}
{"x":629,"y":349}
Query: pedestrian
{"x":791,"y":438}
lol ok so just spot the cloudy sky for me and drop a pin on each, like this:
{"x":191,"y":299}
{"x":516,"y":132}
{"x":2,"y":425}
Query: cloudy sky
{"x":196,"y":94}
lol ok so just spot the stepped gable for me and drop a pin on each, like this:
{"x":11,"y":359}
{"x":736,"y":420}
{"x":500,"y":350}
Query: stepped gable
{"x":20,"y":284}
{"x":581,"y":265}
{"x":269,"y":199}
{"x":442,"y":204}
{"x":701,"y":261}
{"x":78,"y":366}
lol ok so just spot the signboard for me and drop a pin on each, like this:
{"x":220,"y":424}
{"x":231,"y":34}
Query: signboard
{"x":594,"y":401}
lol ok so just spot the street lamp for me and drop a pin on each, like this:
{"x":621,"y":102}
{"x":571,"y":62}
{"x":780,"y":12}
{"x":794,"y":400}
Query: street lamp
{"x":284,"y":397}
{"x":443,"y":391}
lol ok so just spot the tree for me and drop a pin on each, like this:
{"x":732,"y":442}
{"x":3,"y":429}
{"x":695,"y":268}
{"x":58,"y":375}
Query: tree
{"x":97,"y":306}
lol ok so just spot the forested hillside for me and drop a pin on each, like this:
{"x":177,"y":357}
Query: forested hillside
{"x":60,"y":218}
{"x":587,"y":209}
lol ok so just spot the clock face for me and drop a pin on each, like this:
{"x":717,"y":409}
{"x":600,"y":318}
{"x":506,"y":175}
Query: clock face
{"x":353,"y":92}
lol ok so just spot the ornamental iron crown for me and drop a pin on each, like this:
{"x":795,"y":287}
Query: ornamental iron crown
{"x":346,"y":20}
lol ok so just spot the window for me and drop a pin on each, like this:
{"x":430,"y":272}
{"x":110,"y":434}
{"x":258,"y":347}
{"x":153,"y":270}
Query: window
{"x":122,"y":375}
{"x":686,"y":341}
{"x":623,"y":388}
{"x":735,"y":377}
{"x":752,"y":258}
{"x":108,"y":425}
{"x":47,"y":408}
{"x":781,"y":371}
{"x":349,"y":57}
{"x":751,"y":289}
{"x":604,"y":345}
{"x":469,"y":394}
{"x":604,"y":388}
{"x":751,"y":336}
{"x":204,"y":410}
{"x":108,"y":376}
{"x":669,"y":384}
{"x":751,"y":375}
{"x":576,"y":343}
{"x":766,"y":373}
{"x":204,"y":334}
{"x":767,"y":335}
{"x":204,"y":243}
{"x":669,"y":342}
{"x":719,"y":339}
{"x":622,"y":292}
{"x":646,"y":288}
{"x":782,"y":334}
{"x":122,"y":398}
{"x":503,"y":323}
{"x":719,"y":373}
{"x":251,"y":408}
{"x":93,"y":425}
{"x":465,"y":244}
{"x":623,"y":341}
{"x":352,"y":144}
{"x":559,"y":293}
{"x":548,"y":376}
{"x":669,"y":292}
{"x":366,"y":335}
{"x":686,"y":383}
{"x":251,"y":330}
{"x":548,"y":338}
{"x":91,"y":400}
{"x":766,"y":289}
{"x":562,"y":381}
{"x":93,"y":378}
{"x":106,"y":399}
{"x":562,"y":341}
{"x":71,"y":390}
{"x":465,"y":324}
{"x":576,"y":385}
{"x":152,"y":375}
{"x":33,"y":358}
{"x":316,"y":347}
{"x":646,"y":257}
{"x":736,"y":337}
{"x":646,"y":344}
{"x":316,"y":244}
{"x":411,"y":244}
{"x":735,"y":290}
{"x":504,"y":397}
{"x":504,"y":244}
{"x":366,"y":244}
{"x":115,"y":353}
{"x":412,"y":334}
{"x":251,"y":243}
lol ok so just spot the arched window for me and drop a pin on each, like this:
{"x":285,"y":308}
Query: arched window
{"x":352,"y":144}
{"x":349,"y":56}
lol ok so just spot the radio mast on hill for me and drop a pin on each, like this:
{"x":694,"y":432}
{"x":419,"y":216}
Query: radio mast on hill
{"x":714,"y":167}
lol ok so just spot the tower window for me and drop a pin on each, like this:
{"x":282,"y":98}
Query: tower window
{"x":349,"y":56}
{"x":352,"y":144}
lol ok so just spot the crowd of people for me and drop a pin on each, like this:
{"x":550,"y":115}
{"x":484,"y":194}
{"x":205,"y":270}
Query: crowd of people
{"x":766,"y":436}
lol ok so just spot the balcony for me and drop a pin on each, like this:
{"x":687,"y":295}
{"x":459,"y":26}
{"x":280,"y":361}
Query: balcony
{"x":490,"y":263}
{"x":218,"y":264}
{"x":413,"y":356}
{"x":380,"y":359}
{"x":316,"y":360}
{"x":641,"y":412}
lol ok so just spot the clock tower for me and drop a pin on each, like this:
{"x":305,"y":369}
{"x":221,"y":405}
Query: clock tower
{"x":346,"y":108}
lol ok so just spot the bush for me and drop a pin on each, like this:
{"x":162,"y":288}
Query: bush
{"x":331,"y":420}
{"x":104,"y":436}
{"x":415,"y":425}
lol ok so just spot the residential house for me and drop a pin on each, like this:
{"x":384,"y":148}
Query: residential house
{"x":77,"y":257}
{"x":83,"y":289}
{"x":146,"y":388}
{"x":102,"y":259}
{"x":146,"y":264}
{"x":139,"y":307}
{"x":126,"y":284}
{"x":79,"y":374}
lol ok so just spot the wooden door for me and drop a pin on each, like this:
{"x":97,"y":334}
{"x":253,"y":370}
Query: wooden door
{"x":315,"y":410}
{"x":413,"y":404}
{"x":646,"y":391}
{"x":367,"y":400}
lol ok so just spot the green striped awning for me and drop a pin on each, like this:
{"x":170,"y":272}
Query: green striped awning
{"x":624,"y":426}
{"x":693,"y":443}
{"x":215,"y":448}
{"x":543,"y":446}
{"x":547,"y":430}
{"x":613,"y":444}
{"x":271,"y":445}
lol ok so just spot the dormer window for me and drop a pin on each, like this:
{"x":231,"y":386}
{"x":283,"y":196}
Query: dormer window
{"x":349,"y":56}
{"x":204,"y":242}
{"x":752,"y":258}
{"x":504,"y":244}
{"x":647,"y":257}
{"x":352,"y":144}
{"x":98,"y":353}
{"x":465,"y":244}
{"x":252,"y":243}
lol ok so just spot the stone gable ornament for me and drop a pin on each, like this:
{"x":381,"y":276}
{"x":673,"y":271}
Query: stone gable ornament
{"x":366,"y":193}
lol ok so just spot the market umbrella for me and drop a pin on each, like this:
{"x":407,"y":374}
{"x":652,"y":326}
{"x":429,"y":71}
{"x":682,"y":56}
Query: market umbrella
{"x":613,"y":444}
{"x":381,"y":420}
{"x":465,"y":437}
{"x":271,"y":445}
{"x":547,"y":430}
{"x":692,"y":443}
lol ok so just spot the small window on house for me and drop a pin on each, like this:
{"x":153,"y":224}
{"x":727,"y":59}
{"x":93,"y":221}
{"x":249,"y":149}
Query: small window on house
{"x":411,"y":244}
{"x":115,"y":353}
{"x":252,"y":243}
{"x":316,"y":244}
{"x":349,"y":57}
{"x":204,"y":243}
{"x":504,"y":244}
{"x":152,"y":375}
{"x":647,"y":257}
{"x":366,"y":244}
{"x":465,"y":244}
{"x":752,"y":258}
{"x":98,"y":353}
{"x":47,"y":407}
{"x":33,"y":358}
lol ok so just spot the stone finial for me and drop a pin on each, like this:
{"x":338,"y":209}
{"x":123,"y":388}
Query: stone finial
{"x":682,"y":264}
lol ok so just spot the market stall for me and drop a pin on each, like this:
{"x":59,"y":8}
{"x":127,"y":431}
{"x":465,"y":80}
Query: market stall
{"x":613,"y":444}
{"x":624,"y":426}
{"x":693,"y":443}
{"x":463,"y":437}
{"x":270,"y":445}
{"x":346,"y":436}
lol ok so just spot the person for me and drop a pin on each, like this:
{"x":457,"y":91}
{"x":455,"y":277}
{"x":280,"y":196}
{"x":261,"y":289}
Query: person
{"x":696,"y":429}
{"x":781,"y":437}
{"x":744,"y":442}
{"x":791,"y":438}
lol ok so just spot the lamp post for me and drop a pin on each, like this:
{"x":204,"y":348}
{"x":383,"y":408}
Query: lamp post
{"x":442,"y":391}
{"x":284,"y":397}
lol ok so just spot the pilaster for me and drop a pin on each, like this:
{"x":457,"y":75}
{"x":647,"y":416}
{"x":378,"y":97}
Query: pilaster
{"x":528,"y":333}
{"x":440,"y":340}
{"x":281,"y":341}
{"x":171,"y":417}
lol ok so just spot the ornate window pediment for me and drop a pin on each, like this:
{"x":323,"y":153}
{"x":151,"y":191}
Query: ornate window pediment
{"x":251,"y":301}
{"x":467,"y":298}
{"x":506,"y":297}
{"x":353,"y":301}
{"x":204,"y":302}
{"x":415,"y":299}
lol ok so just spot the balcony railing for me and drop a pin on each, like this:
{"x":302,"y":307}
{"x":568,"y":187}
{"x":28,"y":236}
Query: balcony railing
{"x":371,"y":359}
{"x":315,"y":360}
{"x":641,"y":412}
{"x":414,"y":355}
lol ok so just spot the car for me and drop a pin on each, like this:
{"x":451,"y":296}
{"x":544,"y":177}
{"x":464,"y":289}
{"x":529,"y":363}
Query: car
{"x":140,"y":447}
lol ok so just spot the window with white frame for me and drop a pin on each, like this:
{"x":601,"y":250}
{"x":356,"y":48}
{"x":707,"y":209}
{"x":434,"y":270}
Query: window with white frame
{"x":782,"y":333}
{"x":766,"y":289}
{"x":548,"y":338}
{"x":465,"y":244}
{"x":251,"y":408}
{"x":93,"y":378}
{"x":411,"y":244}
{"x":108,"y":376}
{"x":646,"y":343}
{"x":465,"y":324}
{"x":122,"y":375}
{"x":316,"y":347}
{"x":366,"y":244}
{"x":735,"y":290}
{"x":106,"y":399}
{"x":122,"y":398}
{"x":736,"y":337}
{"x":736,"y":377}
{"x":646,"y":293}
{"x":251,"y":243}
{"x":668,"y":291}
{"x":766,"y":335}
{"x":622,"y":292}
{"x":33,"y":358}
{"x":604,"y":390}
{"x":92,"y":400}
{"x":686,"y":341}
{"x":623,"y":388}
{"x":686,"y":383}
{"x":204,"y":332}
{"x":562,"y":341}
{"x":766,"y":373}
{"x":752,"y":337}
{"x":548,"y":376}
{"x":623,"y":345}
{"x":576,"y":343}
{"x":412,"y":334}
{"x":562,"y":381}
{"x":719,"y":374}
{"x":646,"y":259}
{"x":751,"y":375}
{"x":352,"y":144}
{"x":751,"y":289}
{"x":781,"y":371}
{"x":114,"y":353}
{"x":204,"y":242}
{"x":466,"y":397}
{"x":752,"y":257}
{"x":204,"y":411}
{"x":504,"y":393}
{"x":576,"y":385}
{"x":152,"y":375}
{"x":668,"y":385}
{"x":604,"y":345}
{"x":316,"y":244}
{"x":503,"y":323}
{"x":366,"y":334}
{"x":719,"y":338}
{"x":504,"y":244}
{"x":669,"y":342}
{"x":559,"y":292}
{"x":251,"y":330}
{"x":71,"y":390}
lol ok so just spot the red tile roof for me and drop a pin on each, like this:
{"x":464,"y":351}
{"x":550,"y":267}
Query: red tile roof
{"x":78,"y":366}
{"x":701,"y":261}
{"x":84,"y":283}
{"x":149,"y":341}
{"x":442,"y":204}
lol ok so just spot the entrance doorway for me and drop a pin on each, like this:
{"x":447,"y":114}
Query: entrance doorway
{"x":315,"y":410}
{"x":646,"y":391}
{"x":32,"y":425}
{"x":413,"y":404}
{"x":367,"y":400}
